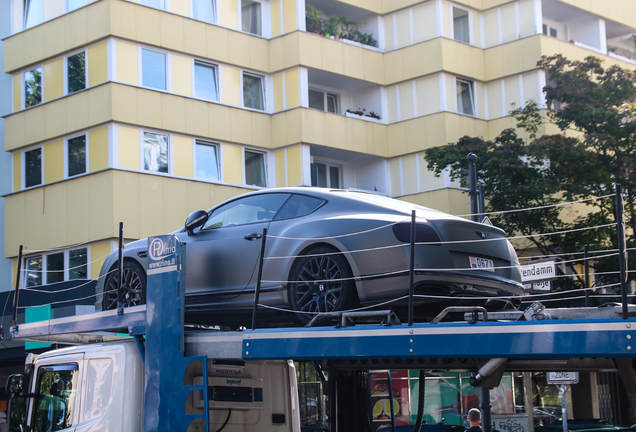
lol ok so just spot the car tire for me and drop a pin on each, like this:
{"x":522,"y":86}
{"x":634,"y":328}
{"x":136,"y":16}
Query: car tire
{"x":320,"y":282}
{"x":133,"y":286}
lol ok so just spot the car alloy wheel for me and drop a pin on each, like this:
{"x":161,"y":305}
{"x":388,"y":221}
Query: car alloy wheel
{"x":133,"y":287}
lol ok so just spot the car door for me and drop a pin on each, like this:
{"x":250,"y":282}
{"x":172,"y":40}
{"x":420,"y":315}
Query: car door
{"x":222,"y":256}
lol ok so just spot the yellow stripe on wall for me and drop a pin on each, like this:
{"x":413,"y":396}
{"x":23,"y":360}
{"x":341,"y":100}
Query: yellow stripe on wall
{"x":280,"y":168}
{"x":54,"y":162}
{"x":289,"y":16}
{"x":128,"y":147}
{"x":231,"y":84}
{"x":292,"y":89}
{"x":228,"y":14}
{"x":98,"y":149}
{"x":279,"y":104}
{"x":294,"y":167}
{"x":276,"y":18}
{"x":98,"y":256}
{"x":17,"y":92}
{"x":98,"y":64}
{"x":181,"y":75}
{"x":232,"y":164}
{"x":127,"y":63}
{"x":17,"y":171}
{"x":182,"y":156}
{"x":54,"y":80}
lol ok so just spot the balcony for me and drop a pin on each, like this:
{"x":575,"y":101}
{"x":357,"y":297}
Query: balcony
{"x":621,"y":42}
{"x":573,"y":25}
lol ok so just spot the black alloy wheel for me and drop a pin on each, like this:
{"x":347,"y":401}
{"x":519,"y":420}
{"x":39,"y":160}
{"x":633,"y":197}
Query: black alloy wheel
{"x":320,"y":282}
{"x":133,"y":286}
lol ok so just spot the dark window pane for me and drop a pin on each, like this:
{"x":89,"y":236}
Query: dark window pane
{"x":255,"y":169}
{"x":153,"y":69}
{"x":55,"y":268}
{"x":55,"y":397}
{"x":33,"y":87}
{"x":78,"y":264}
{"x":77,"y":72}
{"x":332,"y":103}
{"x":207,"y":162}
{"x":155,"y":152}
{"x":316,"y":100}
{"x":77,"y":156}
{"x":334,"y":177}
{"x":298,"y":205}
{"x":33,"y":268}
{"x":319,"y":174}
{"x":33,"y":167}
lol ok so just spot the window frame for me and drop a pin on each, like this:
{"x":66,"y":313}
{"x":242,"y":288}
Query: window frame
{"x":216,"y":69}
{"x":468,"y":24}
{"x":66,"y":80}
{"x":262,"y":80}
{"x":328,"y":166}
{"x":265,"y":167}
{"x":262,"y":17}
{"x":217,"y":146}
{"x":66,"y":264}
{"x":215,"y":10}
{"x":167,"y":62}
{"x":67,"y":153}
{"x":142,"y":152}
{"x":471,"y":86}
{"x":24,"y":167}
{"x":325,"y":99}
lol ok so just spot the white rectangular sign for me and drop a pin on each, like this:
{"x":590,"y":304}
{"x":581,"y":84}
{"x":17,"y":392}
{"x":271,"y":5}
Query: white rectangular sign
{"x":538,"y":286}
{"x":563,"y":377}
{"x":538,"y":270}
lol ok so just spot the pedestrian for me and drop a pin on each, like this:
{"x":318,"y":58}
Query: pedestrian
{"x":474,"y":419}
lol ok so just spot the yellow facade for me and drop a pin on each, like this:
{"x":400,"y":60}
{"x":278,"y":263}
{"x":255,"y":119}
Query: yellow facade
{"x":98,"y":64}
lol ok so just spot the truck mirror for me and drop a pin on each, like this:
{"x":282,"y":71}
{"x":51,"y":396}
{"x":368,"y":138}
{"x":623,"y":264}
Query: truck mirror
{"x":17,"y":414}
{"x":15,"y":383}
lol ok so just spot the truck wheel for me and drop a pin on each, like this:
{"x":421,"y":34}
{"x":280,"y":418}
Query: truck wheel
{"x":133,"y":286}
{"x":320,"y":283}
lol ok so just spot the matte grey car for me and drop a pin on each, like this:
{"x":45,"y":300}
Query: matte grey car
{"x":326,"y":250}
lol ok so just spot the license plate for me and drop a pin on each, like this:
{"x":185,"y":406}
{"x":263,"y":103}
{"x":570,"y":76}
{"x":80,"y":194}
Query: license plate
{"x":482,"y":263}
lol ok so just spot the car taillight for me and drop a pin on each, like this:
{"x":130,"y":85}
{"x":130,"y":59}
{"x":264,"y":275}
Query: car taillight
{"x":423,"y":233}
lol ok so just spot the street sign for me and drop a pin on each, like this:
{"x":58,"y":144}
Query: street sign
{"x":538,"y":271}
{"x":538,"y":286}
{"x":563,"y":377}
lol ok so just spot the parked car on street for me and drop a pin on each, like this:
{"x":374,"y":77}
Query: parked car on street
{"x":326,"y":250}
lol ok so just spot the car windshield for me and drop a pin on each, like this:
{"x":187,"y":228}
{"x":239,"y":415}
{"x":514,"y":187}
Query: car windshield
{"x":248,"y":210}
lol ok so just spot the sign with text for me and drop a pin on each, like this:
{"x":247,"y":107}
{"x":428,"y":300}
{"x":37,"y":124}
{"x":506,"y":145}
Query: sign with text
{"x":563,"y":377}
{"x":538,"y":286}
{"x":162,"y":255}
{"x":538,"y":271}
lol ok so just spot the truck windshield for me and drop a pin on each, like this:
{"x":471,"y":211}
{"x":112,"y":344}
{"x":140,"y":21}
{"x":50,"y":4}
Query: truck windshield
{"x":55,"y":397}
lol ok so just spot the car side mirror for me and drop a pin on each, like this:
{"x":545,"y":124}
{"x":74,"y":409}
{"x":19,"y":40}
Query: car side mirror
{"x":195,"y":220}
{"x":15,"y":383}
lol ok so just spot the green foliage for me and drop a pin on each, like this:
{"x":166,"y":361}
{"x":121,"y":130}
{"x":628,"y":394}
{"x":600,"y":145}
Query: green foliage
{"x":33,"y":87}
{"x":550,"y":169}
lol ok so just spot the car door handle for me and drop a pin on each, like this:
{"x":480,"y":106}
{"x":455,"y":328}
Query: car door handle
{"x":253,"y":236}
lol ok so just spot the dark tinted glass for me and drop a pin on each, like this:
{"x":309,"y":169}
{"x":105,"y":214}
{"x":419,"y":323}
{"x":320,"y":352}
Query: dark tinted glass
{"x":298,"y":205}
{"x":77,"y":156}
{"x":77,"y":264}
{"x":55,"y":268}
{"x":33,"y":167}
{"x":77,"y":72}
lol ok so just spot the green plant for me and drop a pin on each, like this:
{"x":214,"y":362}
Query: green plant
{"x":332,"y":26}
{"x":367,"y":39}
{"x":348,"y":28}
{"x":313,"y":18}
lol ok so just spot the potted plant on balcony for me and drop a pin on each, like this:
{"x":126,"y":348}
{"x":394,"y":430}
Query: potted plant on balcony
{"x":332,"y":26}
{"x":313,"y":19}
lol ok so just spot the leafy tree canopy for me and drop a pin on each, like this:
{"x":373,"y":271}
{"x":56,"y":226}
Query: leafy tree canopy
{"x":595,"y":112}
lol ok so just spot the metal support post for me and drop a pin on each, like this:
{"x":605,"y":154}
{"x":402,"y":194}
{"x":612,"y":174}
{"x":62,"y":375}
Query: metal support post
{"x":472,"y":176}
{"x":257,"y":293}
{"x":412,"y":268}
{"x":120,"y":271}
{"x":486,"y":418}
{"x":17,"y":287}
{"x":622,"y":246}
{"x":391,"y":400}
{"x":587,"y":276}
{"x":482,"y":201}
{"x":563,"y":389}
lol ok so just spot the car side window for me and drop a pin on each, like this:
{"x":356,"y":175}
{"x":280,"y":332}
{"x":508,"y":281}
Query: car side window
{"x":298,"y":205}
{"x":55,"y":397}
{"x":248,"y":210}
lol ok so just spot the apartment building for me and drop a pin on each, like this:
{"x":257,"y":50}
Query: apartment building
{"x":144,"y":111}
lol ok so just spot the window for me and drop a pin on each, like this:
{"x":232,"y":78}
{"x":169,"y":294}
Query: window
{"x":205,"y":81}
{"x":75,"y":4}
{"x":153,"y":69}
{"x":255,"y":169}
{"x":297,"y":206}
{"x":78,"y":264}
{"x":55,"y":268}
{"x":460,"y":25}
{"x":204,"y":10}
{"x":251,"y":17}
{"x":157,"y":4}
{"x":325,"y":175}
{"x":33,"y":270}
{"x":252,"y":209}
{"x":253,"y":92}
{"x":33,"y":13}
{"x":206,"y":161}
{"x":552,"y":31}
{"x":319,"y":100}
{"x":56,"y":387}
{"x":33,"y":167}
{"x":155,"y":152}
{"x":33,"y":87}
{"x":76,"y":153}
{"x":465,"y":103}
{"x":76,"y":72}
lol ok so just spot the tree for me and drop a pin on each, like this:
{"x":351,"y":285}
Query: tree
{"x":593,"y":108}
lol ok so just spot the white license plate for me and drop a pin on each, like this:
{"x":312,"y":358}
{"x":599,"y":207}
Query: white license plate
{"x":482,"y":263}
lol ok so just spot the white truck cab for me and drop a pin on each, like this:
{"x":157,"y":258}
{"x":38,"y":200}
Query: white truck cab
{"x":100,"y":387}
